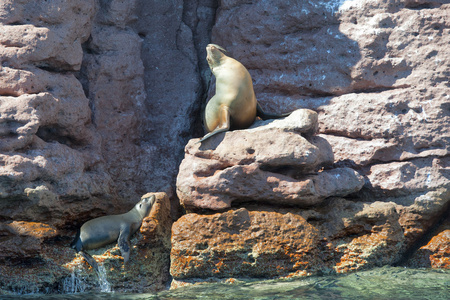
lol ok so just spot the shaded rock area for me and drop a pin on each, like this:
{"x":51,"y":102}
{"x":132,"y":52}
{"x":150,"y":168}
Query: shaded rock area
{"x":54,"y":267}
{"x":436,"y":253}
{"x":376,"y":72}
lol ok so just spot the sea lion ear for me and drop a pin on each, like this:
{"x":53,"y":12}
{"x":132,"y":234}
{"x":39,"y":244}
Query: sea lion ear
{"x":221,"y":48}
{"x":218,"y":47}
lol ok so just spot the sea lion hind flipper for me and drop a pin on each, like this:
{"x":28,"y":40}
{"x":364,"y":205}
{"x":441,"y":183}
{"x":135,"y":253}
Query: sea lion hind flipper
{"x":224,"y":125}
{"x":90,"y":260}
{"x":124,"y":243}
{"x":76,"y":243}
{"x":267,"y":116}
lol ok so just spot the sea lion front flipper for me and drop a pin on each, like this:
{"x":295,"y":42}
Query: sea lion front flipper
{"x":124,"y":243}
{"x":266,"y":116}
{"x":90,"y":260}
{"x":224,"y":125}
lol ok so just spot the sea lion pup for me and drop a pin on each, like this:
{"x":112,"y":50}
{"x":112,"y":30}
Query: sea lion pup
{"x":234,"y":105}
{"x":101,"y":231}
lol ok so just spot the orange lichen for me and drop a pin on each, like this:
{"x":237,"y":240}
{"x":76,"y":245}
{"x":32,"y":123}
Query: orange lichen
{"x":34,"y":229}
{"x":438,"y":250}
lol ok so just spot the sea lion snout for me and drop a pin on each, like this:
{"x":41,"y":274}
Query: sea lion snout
{"x":214,"y":54}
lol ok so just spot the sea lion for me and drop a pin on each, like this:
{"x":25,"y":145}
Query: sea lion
{"x":234,"y":105}
{"x":101,"y":231}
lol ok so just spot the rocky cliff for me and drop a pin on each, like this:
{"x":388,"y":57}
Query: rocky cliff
{"x":377,"y":74}
{"x":98,"y":99}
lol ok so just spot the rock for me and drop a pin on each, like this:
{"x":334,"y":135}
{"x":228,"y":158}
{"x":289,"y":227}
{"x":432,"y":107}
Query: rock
{"x":98,"y":99}
{"x":270,"y":163}
{"x":54,"y":265}
{"x":381,"y":109}
{"x":156,"y":227}
{"x":262,"y":241}
{"x":23,"y":240}
{"x":256,"y":243}
{"x":75,"y":114}
{"x":436,"y":253}
{"x":49,"y":144}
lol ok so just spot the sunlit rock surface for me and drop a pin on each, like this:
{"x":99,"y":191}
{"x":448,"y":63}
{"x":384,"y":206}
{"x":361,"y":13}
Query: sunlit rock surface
{"x":271,"y":163}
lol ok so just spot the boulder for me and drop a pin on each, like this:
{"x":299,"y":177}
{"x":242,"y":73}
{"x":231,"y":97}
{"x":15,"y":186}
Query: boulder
{"x":436,"y":253}
{"x":270,"y":163}
{"x":264,"y":241}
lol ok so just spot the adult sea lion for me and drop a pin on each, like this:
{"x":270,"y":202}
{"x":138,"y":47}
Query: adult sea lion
{"x":101,"y":231}
{"x":234,"y":105}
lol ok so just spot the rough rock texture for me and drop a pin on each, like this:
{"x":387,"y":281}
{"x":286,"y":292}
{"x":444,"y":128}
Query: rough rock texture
{"x":435,"y":254}
{"x":99,"y":98}
{"x":97,"y":101}
{"x":271,"y":163}
{"x":264,"y":241}
{"x":377,"y":74}
{"x":54,"y":267}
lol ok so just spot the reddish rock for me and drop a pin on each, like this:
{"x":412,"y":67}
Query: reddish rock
{"x":256,"y":243}
{"x":22,"y":240}
{"x":436,"y":253}
{"x":156,"y":227}
{"x":263,"y":241}
{"x":439,"y":246}
{"x":98,"y":99}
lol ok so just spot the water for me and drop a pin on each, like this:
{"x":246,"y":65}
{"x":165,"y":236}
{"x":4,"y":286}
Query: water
{"x":76,"y":284}
{"x":105,"y":286}
{"x":383,"y":283}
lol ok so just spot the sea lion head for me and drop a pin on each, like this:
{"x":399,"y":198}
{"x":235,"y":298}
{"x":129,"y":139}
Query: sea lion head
{"x":144,"y":206}
{"x":213,"y":55}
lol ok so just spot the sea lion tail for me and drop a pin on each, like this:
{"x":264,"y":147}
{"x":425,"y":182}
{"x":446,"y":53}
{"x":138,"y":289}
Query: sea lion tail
{"x":90,"y":261}
{"x":266,"y":116}
{"x":76,"y":243}
{"x":78,"y":246}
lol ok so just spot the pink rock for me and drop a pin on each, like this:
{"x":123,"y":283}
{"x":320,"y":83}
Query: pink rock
{"x":270,"y":163}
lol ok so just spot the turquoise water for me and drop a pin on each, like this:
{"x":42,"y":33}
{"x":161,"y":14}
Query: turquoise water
{"x":383,"y":283}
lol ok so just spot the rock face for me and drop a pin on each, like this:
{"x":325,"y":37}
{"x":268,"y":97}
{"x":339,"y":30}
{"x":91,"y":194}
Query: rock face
{"x":264,"y":241}
{"x":271,"y":163}
{"x":376,"y":72}
{"x":99,"y":98}
{"x":89,"y":91}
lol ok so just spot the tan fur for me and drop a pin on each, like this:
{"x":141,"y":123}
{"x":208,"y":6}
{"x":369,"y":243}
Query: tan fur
{"x":234,"y":104}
